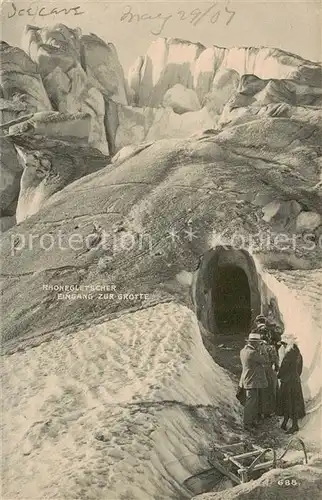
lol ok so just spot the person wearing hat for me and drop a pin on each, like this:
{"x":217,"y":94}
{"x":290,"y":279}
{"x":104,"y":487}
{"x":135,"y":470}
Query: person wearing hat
{"x":269,"y":328}
{"x":274,"y":332}
{"x":259,"y":320}
{"x":281,"y":350}
{"x":253,"y":379}
{"x":290,"y":403}
{"x":268,"y":351}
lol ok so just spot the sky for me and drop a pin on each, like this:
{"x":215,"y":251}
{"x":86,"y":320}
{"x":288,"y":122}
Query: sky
{"x":292,"y":25}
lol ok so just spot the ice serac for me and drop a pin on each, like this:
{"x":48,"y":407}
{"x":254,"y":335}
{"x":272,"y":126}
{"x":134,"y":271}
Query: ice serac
{"x":134,"y":76}
{"x":54,"y":151}
{"x":57,"y":51}
{"x":273,"y":91}
{"x":255,"y":97}
{"x":205,"y":70}
{"x":22,"y":90}
{"x":223,"y":86}
{"x":166,"y":63}
{"x":181,"y":99}
{"x":103,"y":67}
{"x":21,"y":94}
{"x":134,"y":125}
{"x":172,"y":61}
{"x":7,"y":222}
{"x":169,"y":124}
{"x":266,"y":63}
{"x":10,"y":174}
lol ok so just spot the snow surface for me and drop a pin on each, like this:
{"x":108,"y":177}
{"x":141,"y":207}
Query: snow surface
{"x":120,"y":410}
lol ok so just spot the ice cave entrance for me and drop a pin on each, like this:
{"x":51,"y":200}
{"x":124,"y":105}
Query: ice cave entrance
{"x":227,"y":295}
{"x":231,"y":300}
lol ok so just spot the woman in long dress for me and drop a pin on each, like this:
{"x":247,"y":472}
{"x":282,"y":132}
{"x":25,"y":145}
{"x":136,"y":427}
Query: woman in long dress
{"x":290,"y":404}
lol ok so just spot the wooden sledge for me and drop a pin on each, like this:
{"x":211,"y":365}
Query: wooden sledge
{"x":240,"y":462}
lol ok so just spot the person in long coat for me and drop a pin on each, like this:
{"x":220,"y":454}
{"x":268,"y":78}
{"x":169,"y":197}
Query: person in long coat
{"x":271,"y":367}
{"x":290,"y":404}
{"x":253,"y":379}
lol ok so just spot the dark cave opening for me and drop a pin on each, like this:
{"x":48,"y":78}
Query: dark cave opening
{"x":232,"y":300}
{"x":226,"y":293}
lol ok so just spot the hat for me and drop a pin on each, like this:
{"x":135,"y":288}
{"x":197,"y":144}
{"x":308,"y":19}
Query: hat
{"x":254,"y":336}
{"x":261,"y":328}
{"x":260,"y":319}
{"x":288,"y":338}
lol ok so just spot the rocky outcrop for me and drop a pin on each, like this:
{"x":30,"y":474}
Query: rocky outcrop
{"x":54,"y":151}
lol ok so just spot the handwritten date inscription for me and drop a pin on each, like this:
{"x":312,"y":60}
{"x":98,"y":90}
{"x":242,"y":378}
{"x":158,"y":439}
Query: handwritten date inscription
{"x":210,"y":14}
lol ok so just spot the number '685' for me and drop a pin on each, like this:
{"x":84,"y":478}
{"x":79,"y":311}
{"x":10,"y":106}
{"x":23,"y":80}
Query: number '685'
{"x":287,"y":482}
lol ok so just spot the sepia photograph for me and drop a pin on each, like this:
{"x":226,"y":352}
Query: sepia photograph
{"x":161,"y":250}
